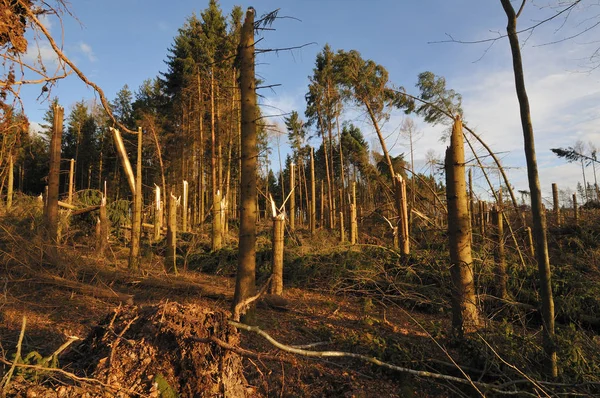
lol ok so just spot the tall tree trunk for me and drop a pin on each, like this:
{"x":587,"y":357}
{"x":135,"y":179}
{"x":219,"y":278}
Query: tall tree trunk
{"x":555,"y":204}
{"x":329,"y":186}
{"x":245,"y":285}
{"x":313,"y":193}
{"x":136,"y":224}
{"x":276,"y":286}
{"x":537,"y":211}
{"x":216,"y":215}
{"x":465,"y":317}
{"x":292,"y":214}
{"x":54,"y":176}
{"x":585,"y":187}
{"x":499,"y":257}
{"x":201,"y":149}
{"x":71,"y":180}
{"x":171,"y":254}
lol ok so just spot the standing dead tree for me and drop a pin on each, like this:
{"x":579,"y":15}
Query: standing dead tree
{"x":465,"y":316}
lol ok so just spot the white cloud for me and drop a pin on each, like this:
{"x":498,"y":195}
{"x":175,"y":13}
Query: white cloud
{"x":46,"y":21}
{"x":40,"y":53}
{"x":86,"y":49}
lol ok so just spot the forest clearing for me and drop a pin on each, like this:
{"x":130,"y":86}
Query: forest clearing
{"x":188,"y":239}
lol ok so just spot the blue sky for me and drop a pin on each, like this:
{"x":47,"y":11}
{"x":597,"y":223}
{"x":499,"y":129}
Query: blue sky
{"x":124,"y":42}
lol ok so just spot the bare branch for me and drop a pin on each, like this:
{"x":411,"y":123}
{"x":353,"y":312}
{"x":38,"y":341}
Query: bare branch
{"x":72,"y":65}
{"x":493,"y":39}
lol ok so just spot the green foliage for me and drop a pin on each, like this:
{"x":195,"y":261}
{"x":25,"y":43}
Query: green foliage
{"x":36,"y":359}
{"x":164,"y":388}
{"x":441,"y":101}
{"x":118,"y":211}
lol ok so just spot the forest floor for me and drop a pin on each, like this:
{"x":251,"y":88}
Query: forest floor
{"x":405,"y":322}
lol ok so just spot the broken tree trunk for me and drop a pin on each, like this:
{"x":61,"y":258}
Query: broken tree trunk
{"x":245,"y":284}
{"x":499,"y":257}
{"x":71,"y":180}
{"x":276,"y":286}
{"x":124,"y":159}
{"x":171,"y":255}
{"x":575,"y":210}
{"x":401,"y":205}
{"x":54,"y":176}
{"x":465,"y":316}
{"x":556,"y":204}
{"x":136,"y":223}
{"x":102,"y":231}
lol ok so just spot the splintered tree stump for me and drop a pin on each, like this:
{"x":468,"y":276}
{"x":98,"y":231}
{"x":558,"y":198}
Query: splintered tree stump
{"x":163,"y":350}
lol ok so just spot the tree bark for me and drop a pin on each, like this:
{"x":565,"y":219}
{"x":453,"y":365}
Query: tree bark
{"x":292,"y":214}
{"x":575,"y":210}
{"x":71,"y":180}
{"x":537,"y":211}
{"x":313,"y":194}
{"x":245,"y":285}
{"x":54,"y":176}
{"x":465,"y":316}
{"x":124,"y":159}
{"x":217,"y":227}
{"x":556,"y":204}
{"x":171,"y":255}
{"x":102,"y":237}
{"x":499,"y":257}
{"x":538,"y":215}
{"x":276,"y":286}
{"x":136,"y":224}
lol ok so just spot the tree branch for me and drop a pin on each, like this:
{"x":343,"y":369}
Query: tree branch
{"x":79,"y":73}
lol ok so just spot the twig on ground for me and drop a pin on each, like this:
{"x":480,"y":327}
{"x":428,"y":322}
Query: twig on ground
{"x":6,"y":379}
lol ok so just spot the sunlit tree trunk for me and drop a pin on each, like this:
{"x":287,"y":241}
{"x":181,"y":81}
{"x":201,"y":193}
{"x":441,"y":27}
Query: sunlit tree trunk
{"x":136,"y":224}
{"x":465,"y":317}
{"x":313,"y":194}
{"x":537,"y":211}
{"x":245,"y":285}
{"x":54,"y":176}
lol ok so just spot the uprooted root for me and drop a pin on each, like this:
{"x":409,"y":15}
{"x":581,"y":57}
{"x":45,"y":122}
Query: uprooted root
{"x":155,"y":351}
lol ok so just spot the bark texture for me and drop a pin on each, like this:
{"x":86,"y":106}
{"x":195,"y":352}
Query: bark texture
{"x":245,"y":285}
{"x":537,"y":210}
{"x":54,"y":175}
{"x":465,"y":316}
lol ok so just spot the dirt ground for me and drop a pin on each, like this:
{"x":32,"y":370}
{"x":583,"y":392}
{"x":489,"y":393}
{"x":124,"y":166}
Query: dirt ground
{"x":80,"y":298}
